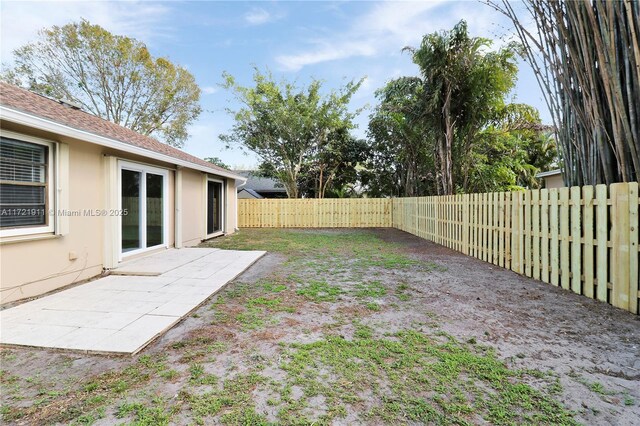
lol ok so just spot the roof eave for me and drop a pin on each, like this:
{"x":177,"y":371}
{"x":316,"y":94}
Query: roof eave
{"x":549,"y":173}
{"x":30,"y":120}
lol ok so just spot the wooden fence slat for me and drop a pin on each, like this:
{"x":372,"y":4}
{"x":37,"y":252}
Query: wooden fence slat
{"x":620,"y":232}
{"x":535,"y":231}
{"x":544,"y":234}
{"x":576,"y":244}
{"x":587,"y":251}
{"x":634,"y":254}
{"x":485,"y":228}
{"x":527,"y":233}
{"x":602,"y":235}
{"x":564,"y":238}
{"x":554,"y":230}
{"x":501,"y":227}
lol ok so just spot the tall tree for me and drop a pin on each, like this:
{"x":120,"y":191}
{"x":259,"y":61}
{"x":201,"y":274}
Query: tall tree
{"x":287,"y":125}
{"x":114,"y":77}
{"x":586,"y":57}
{"x":334,"y":169}
{"x":400,"y":161}
{"x":463,"y":84}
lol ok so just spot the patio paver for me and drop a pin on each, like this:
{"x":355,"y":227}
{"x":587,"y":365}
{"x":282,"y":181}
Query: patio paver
{"x":123,"y":313}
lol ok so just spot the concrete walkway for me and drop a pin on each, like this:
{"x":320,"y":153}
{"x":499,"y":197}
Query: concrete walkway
{"x":123,"y":313}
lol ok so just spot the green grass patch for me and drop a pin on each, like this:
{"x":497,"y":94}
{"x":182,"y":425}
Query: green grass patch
{"x":415,"y":377}
{"x":320,"y":291}
{"x":198,"y":376}
{"x":251,"y":319}
{"x":233,"y":399}
{"x":156,"y":414}
{"x":370,"y":289}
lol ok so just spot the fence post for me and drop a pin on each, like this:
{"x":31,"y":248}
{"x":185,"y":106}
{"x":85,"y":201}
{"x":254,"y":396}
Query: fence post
{"x":634,"y":221}
{"x":620,"y":235}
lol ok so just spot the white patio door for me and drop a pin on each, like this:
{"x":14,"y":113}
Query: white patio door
{"x":143,"y":204}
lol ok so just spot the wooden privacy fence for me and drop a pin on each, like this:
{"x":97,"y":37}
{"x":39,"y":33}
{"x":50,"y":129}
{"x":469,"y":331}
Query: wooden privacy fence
{"x":584,"y":239}
{"x":315,"y":213}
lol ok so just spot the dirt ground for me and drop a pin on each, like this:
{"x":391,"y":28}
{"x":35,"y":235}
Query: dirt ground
{"x":370,"y":326}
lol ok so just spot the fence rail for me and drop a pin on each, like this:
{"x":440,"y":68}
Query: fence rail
{"x":583,"y":239}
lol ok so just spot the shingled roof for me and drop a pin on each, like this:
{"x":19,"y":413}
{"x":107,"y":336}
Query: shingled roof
{"x":31,"y":103}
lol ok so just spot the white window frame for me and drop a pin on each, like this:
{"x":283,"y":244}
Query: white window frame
{"x":223,"y":207}
{"x":144,"y":169}
{"x":51,"y":202}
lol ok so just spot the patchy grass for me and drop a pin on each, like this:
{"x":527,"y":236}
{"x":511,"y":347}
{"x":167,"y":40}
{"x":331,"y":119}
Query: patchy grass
{"x":415,"y":377}
{"x":320,"y":291}
{"x":333,"y":333}
{"x":155,"y":414}
{"x":232,"y":400}
{"x":370,"y":289}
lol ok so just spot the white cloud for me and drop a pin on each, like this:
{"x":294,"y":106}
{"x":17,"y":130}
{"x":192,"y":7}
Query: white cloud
{"x":324,"y":52}
{"x":21,"y":21}
{"x":257,"y":16}
{"x":388,"y":27}
{"x":209,"y":90}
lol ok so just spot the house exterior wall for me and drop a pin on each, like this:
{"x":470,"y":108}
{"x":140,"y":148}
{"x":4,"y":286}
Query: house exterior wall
{"x":37,"y":264}
{"x":193,"y":208}
{"x":231,"y":197}
{"x":33,"y":267}
{"x":554,"y":181}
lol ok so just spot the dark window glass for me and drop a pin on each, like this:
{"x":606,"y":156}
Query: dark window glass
{"x":214,"y":207}
{"x":155,"y":220}
{"x":131,"y":203}
{"x":23,"y":183}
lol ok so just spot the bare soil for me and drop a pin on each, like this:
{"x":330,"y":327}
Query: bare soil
{"x":231,"y":361}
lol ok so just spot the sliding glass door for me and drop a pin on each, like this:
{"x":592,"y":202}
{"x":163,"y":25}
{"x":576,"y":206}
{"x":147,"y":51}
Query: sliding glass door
{"x":214,"y":207}
{"x":144,"y":207}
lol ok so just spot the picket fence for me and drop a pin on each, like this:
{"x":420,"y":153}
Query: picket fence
{"x":583,"y":239}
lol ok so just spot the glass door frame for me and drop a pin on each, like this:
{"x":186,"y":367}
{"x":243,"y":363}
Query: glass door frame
{"x":143,"y":169}
{"x":223,"y":200}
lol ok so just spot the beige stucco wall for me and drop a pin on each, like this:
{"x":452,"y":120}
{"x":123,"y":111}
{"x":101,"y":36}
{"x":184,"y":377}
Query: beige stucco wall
{"x":31,"y":266}
{"x":231,"y":197}
{"x":193,"y":207}
{"x":554,"y":181}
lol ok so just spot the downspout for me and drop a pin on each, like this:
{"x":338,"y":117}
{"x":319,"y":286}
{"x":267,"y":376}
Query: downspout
{"x":177,"y":203}
{"x":237,"y":214}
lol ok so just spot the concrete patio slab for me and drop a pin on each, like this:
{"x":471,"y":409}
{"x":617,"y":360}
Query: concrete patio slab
{"x":161,"y":262}
{"x":122,"y":313}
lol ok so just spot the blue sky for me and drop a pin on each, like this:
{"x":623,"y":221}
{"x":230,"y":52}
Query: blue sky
{"x":334,"y":41}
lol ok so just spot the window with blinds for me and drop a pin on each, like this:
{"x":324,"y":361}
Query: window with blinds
{"x":24,"y":181}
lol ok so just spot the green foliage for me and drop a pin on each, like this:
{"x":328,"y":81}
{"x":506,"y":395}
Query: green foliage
{"x":217,"y":161}
{"x":400,"y":161}
{"x":114,"y":77}
{"x":450,"y":130}
{"x":290,"y":128}
{"x":510,"y":151}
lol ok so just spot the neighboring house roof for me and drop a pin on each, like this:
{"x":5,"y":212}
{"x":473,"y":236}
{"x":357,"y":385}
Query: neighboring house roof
{"x":17,"y":100}
{"x":260,"y":184}
{"x":549,"y":173}
{"x":251,"y":192}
